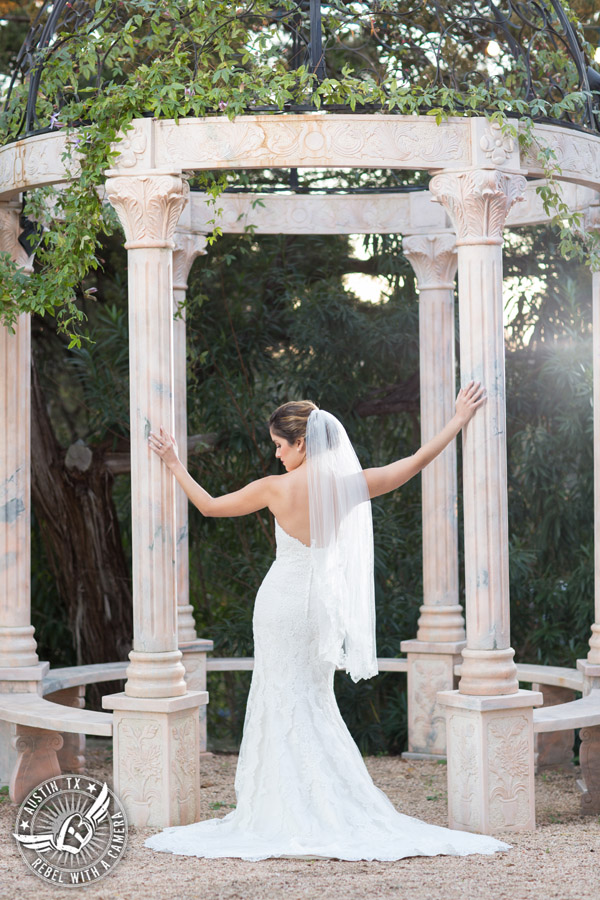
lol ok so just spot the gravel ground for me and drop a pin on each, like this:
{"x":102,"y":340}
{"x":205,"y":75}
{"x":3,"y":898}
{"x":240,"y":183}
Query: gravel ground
{"x":560,"y":861}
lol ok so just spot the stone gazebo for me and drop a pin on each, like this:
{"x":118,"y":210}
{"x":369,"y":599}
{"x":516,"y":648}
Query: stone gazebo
{"x":481,"y":181}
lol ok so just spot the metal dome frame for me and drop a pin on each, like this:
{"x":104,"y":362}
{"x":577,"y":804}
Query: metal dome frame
{"x":323,"y":35}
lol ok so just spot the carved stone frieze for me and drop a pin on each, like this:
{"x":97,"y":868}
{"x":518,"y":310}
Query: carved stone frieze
{"x":463,"y":787}
{"x":148,"y":207}
{"x":141,"y":766}
{"x":510,"y":771}
{"x":434,"y":259}
{"x":185,"y":767}
{"x":415,"y":142}
{"x":576,"y":155}
{"x":478,"y":202}
{"x":34,"y":162}
{"x":428,"y":719}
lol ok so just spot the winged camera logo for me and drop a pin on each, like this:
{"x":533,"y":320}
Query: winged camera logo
{"x":71,"y":830}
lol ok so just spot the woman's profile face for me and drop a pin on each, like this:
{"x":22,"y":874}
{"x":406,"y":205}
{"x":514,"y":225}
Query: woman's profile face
{"x":291,"y":455}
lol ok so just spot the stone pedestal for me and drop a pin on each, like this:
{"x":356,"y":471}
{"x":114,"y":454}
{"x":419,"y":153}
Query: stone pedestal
{"x":156,"y":757}
{"x":591,"y":675}
{"x":490,"y":761}
{"x":194,"y":662}
{"x":430,"y":669}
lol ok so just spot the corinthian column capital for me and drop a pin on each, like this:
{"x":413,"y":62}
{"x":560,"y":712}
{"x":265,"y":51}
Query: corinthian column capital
{"x":478,"y":202}
{"x":10,"y":229}
{"x":148,"y":207}
{"x":185,"y":250}
{"x":433,"y":257}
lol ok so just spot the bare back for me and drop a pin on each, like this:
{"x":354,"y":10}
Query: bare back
{"x":289,"y":503}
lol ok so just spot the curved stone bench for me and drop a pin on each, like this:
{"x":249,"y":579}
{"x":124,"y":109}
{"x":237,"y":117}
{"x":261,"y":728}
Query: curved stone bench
{"x":78,"y":676}
{"x":246,"y":664}
{"x":553,"y":746}
{"x":553,"y":676}
{"x":585,"y":715}
{"x":49,"y":737}
{"x":34,"y":711}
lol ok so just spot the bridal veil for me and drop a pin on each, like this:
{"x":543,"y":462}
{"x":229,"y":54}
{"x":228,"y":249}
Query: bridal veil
{"x":341,"y":529}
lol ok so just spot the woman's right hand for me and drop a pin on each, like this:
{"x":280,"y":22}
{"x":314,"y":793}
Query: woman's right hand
{"x":165,"y":446}
{"x":469,"y":399}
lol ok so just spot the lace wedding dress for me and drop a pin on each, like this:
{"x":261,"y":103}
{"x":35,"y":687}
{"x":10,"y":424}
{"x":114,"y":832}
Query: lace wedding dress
{"x":301,"y":784}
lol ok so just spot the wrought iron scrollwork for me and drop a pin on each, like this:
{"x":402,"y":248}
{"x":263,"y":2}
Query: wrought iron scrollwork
{"x":529,"y":46}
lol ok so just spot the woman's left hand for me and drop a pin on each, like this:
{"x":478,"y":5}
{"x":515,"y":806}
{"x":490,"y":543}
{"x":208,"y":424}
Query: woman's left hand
{"x":469,"y":399}
{"x":165,"y":446}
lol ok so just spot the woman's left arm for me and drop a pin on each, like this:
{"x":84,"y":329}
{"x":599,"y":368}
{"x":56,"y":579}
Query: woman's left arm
{"x":254,"y":496}
{"x":382,"y":479}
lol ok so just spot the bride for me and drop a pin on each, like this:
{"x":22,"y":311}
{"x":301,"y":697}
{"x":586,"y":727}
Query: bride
{"x":301,"y":785}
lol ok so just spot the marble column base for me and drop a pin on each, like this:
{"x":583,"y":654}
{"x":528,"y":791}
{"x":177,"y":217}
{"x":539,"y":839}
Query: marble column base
{"x":430,"y":669}
{"x":156,"y":757}
{"x":490,"y":761}
{"x":194,"y":662}
{"x":553,"y":749}
{"x":591,"y":675}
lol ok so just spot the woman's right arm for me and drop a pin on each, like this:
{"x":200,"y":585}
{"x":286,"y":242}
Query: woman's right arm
{"x":249,"y":499}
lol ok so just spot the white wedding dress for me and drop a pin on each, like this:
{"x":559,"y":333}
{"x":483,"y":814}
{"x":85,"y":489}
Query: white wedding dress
{"x":301,"y":784}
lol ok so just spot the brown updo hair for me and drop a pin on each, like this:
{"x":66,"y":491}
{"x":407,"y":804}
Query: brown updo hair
{"x":289,"y":420}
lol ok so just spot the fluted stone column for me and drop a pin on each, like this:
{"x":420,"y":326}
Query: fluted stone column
{"x":441,"y":632}
{"x":187,"y":247}
{"x":156,"y":732}
{"x":20,"y":669}
{"x":591,"y":665}
{"x":489,"y":720}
